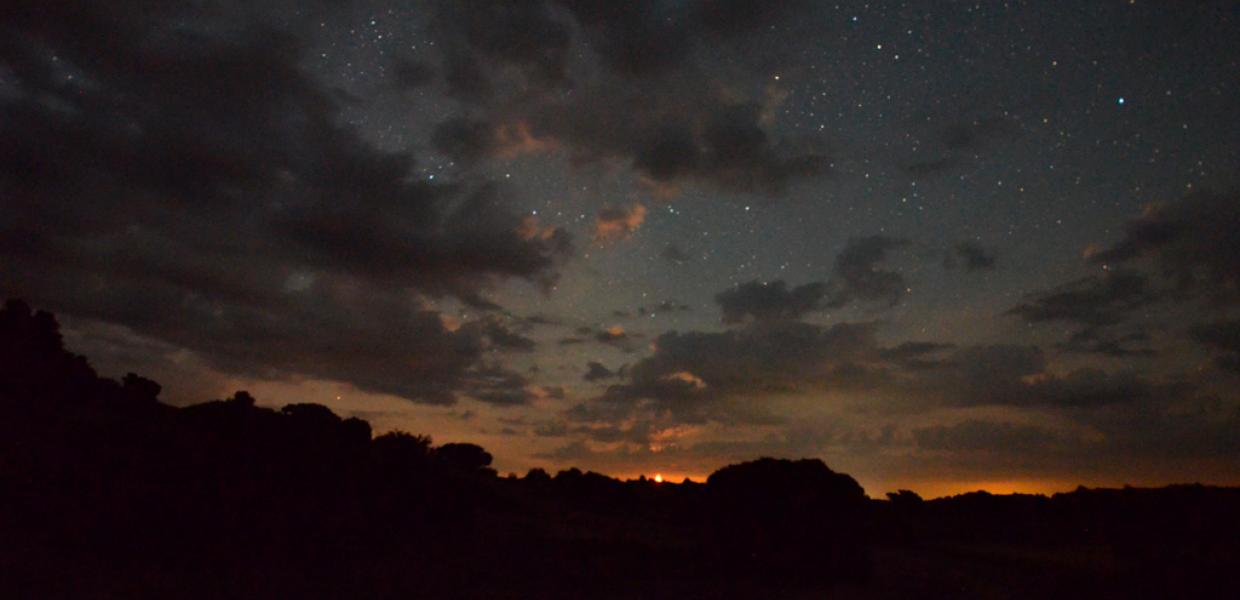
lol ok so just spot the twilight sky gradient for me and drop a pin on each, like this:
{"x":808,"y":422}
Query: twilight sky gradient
{"x":940,"y":245}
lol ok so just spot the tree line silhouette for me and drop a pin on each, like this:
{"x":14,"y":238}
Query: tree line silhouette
{"x":105,"y":491}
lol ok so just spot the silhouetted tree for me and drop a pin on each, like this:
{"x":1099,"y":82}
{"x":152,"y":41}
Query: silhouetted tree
{"x":904,"y":498}
{"x":794,"y":518}
{"x":537,"y":476}
{"x":140,"y":389}
{"x":469,"y":458}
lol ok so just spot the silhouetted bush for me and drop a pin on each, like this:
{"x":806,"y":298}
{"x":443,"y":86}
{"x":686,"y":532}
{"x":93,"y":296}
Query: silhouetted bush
{"x":467,"y":458}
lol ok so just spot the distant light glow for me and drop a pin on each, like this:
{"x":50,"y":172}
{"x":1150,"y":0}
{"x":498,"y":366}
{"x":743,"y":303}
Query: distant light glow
{"x":658,"y":478}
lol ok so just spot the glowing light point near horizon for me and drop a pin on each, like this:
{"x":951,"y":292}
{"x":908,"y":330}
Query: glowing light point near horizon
{"x":658,"y":478}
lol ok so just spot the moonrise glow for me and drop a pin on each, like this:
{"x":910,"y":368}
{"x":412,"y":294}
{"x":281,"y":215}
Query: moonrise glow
{"x":942,"y":246}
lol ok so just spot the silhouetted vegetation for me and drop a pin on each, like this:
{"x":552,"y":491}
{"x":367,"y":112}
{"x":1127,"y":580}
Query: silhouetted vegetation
{"x":107,"y":492}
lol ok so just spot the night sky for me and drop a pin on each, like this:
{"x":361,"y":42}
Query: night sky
{"x":940,"y":245}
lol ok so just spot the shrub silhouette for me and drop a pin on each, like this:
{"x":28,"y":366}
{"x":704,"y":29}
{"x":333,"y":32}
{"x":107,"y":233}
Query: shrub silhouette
{"x":467,"y":458}
{"x":794,"y":518}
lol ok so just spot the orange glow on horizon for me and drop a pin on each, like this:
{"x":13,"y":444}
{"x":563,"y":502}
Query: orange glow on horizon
{"x":946,"y":488}
{"x":658,"y":478}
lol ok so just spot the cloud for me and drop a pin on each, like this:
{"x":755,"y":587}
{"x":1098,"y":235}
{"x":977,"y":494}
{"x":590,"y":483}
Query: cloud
{"x":1012,"y":375}
{"x":217,"y":203}
{"x":967,"y":135}
{"x":666,"y":306}
{"x":986,"y":436}
{"x":411,"y":74}
{"x":924,"y":169}
{"x":1223,"y":336}
{"x":857,"y":276}
{"x":1100,"y":307}
{"x":698,"y":376}
{"x":551,"y":429}
{"x":673,"y":253}
{"x":498,"y":386}
{"x":769,"y":301}
{"x":1095,"y":301}
{"x":614,"y":333}
{"x":595,"y":371}
{"x":960,"y":143}
{"x":972,"y":255}
{"x":502,"y":337}
{"x":1182,"y":251}
{"x":916,"y":355}
{"x":1193,"y":242}
{"x":615,"y":223}
{"x":1101,"y":341}
{"x":594,"y":81}
{"x":484,"y":41}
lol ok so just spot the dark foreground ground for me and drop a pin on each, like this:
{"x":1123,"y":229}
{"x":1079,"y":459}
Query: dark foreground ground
{"x":107,"y":493}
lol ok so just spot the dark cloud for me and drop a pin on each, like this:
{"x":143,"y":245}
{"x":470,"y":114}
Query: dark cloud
{"x":1095,"y":301}
{"x":541,"y":319}
{"x":642,"y":39}
{"x":674,"y":253}
{"x":769,"y":301}
{"x":856,"y":278}
{"x":487,"y":41}
{"x":1003,"y":375}
{"x":971,"y":255}
{"x":502,"y":337}
{"x":924,"y":169}
{"x":913,"y":355}
{"x":666,"y":306}
{"x":513,"y":66}
{"x":959,"y":144}
{"x":695,"y":376}
{"x":991,"y":374}
{"x":615,"y":336}
{"x":410,"y":74}
{"x":551,"y":429}
{"x":969,"y":135}
{"x":986,"y":436}
{"x":1179,"y":252}
{"x":1015,"y":375}
{"x":633,"y":40}
{"x":498,"y":386}
{"x":1101,"y":341}
{"x":857,"y":274}
{"x":1086,"y":388}
{"x":1223,"y":336}
{"x":464,"y":139}
{"x":201,"y":186}
{"x":1101,"y":310}
{"x":1193,"y":242}
{"x":595,"y":371}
